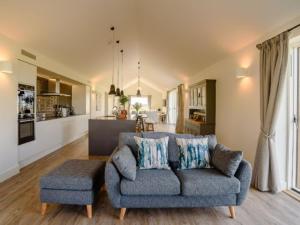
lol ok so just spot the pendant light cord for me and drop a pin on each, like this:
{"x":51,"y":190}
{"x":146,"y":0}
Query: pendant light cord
{"x":139,"y":76}
{"x":122,"y":68}
{"x":113,"y":48}
{"x":118,"y":78}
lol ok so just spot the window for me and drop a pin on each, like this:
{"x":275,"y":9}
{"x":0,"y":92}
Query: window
{"x":294,"y":158}
{"x":144,"y":100}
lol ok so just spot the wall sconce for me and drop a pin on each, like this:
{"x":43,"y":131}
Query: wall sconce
{"x":5,"y":67}
{"x":242,"y":73}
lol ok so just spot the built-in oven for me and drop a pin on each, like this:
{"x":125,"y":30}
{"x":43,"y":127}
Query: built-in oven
{"x":26,"y":118}
{"x":26,"y":130}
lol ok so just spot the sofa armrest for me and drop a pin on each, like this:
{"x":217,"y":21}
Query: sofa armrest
{"x":244,"y":174}
{"x":112,"y":183}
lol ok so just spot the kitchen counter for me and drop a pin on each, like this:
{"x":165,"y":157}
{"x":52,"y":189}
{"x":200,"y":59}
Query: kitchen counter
{"x":51,"y":135}
{"x":110,"y":118}
{"x":54,"y":118}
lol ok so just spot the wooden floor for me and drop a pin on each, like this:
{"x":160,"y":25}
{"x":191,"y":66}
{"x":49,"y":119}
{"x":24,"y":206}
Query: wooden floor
{"x":19,"y":203}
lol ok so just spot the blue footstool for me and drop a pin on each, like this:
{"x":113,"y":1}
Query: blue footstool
{"x":75,"y":182}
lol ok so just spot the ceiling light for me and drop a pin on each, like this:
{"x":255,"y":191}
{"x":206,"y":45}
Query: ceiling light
{"x":122,"y":71}
{"x":6,"y":67}
{"x":138,"y":93}
{"x":112,"y":90}
{"x":118,"y":91}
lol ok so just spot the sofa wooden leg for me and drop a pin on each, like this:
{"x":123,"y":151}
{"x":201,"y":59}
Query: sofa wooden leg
{"x":122,"y":213}
{"x":232,"y":212}
{"x":43,"y":208}
{"x":89,"y":211}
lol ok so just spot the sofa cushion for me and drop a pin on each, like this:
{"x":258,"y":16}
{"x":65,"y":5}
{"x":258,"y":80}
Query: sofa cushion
{"x":193,"y":153}
{"x":75,"y":175}
{"x":125,"y":162}
{"x":206,"y":182}
{"x":151,"y":182}
{"x":172,"y":146}
{"x":153,"y":153}
{"x":127,"y":138}
{"x":225,"y":160}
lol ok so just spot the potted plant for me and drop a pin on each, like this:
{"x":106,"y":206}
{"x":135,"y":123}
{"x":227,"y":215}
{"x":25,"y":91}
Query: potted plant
{"x":137,"y":106}
{"x":123,"y":112}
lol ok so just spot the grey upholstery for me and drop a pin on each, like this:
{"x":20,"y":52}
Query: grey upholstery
{"x":125,"y":162}
{"x":74,"y":182}
{"x":113,"y":184}
{"x":67,"y":196}
{"x":127,"y":139}
{"x":74,"y":175}
{"x":218,"y":190}
{"x":206,"y":182}
{"x":225,"y":160}
{"x":152,"y":182}
{"x":177,"y":201}
{"x":244,"y":174}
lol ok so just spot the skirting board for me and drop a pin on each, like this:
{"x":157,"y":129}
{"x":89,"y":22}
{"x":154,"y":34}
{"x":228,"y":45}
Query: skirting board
{"x":42,"y":154}
{"x":9,"y":173}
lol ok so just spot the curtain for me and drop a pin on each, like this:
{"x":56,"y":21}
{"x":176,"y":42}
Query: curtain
{"x":273,"y":63}
{"x":180,"y":109}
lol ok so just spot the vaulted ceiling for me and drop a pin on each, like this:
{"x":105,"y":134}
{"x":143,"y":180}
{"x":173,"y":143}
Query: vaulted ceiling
{"x":174,"y":39}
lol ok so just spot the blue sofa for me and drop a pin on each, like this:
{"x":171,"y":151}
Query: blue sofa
{"x":175,"y":188}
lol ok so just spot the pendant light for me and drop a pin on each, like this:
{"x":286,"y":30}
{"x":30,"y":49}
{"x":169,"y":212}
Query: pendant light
{"x":122,"y":71}
{"x":118,"y":92}
{"x":138,"y":93}
{"x":112,"y":90}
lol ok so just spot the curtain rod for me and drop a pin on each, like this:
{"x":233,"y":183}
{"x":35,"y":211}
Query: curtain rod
{"x":288,"y":30}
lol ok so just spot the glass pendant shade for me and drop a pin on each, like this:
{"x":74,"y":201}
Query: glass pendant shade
{"x":112,"y":90}
{"x":138,"y":93}
{"x":118,"y":92}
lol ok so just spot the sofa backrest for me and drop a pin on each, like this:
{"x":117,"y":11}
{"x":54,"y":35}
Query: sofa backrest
{"x":128,"y":139}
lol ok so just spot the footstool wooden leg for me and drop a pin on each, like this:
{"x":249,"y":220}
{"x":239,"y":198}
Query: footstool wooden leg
{"x":89,"y":211}
{"x":232,"y":212}
{"x":43,"y":208}
{"x":122,"y":213}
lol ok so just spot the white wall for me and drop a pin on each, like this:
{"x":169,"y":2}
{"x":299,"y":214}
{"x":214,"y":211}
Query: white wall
{"x":8,"y":114}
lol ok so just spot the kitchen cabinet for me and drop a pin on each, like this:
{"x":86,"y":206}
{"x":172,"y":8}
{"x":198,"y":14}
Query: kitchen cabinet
{"x":26,"y":73}
{"x":81,"y":99}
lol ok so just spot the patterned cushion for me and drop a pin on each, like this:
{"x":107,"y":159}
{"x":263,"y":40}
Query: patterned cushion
{"x":226,"y":161}
{"x":125,"y":162}
{"x":193,"y":153}
{"x":153,"y":153}
{"x":172,"y":146}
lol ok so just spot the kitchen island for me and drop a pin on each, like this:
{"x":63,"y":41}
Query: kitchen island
{"x":104,"y":134}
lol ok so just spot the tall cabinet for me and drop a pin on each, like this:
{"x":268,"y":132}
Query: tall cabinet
{"x":202,"y":108}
